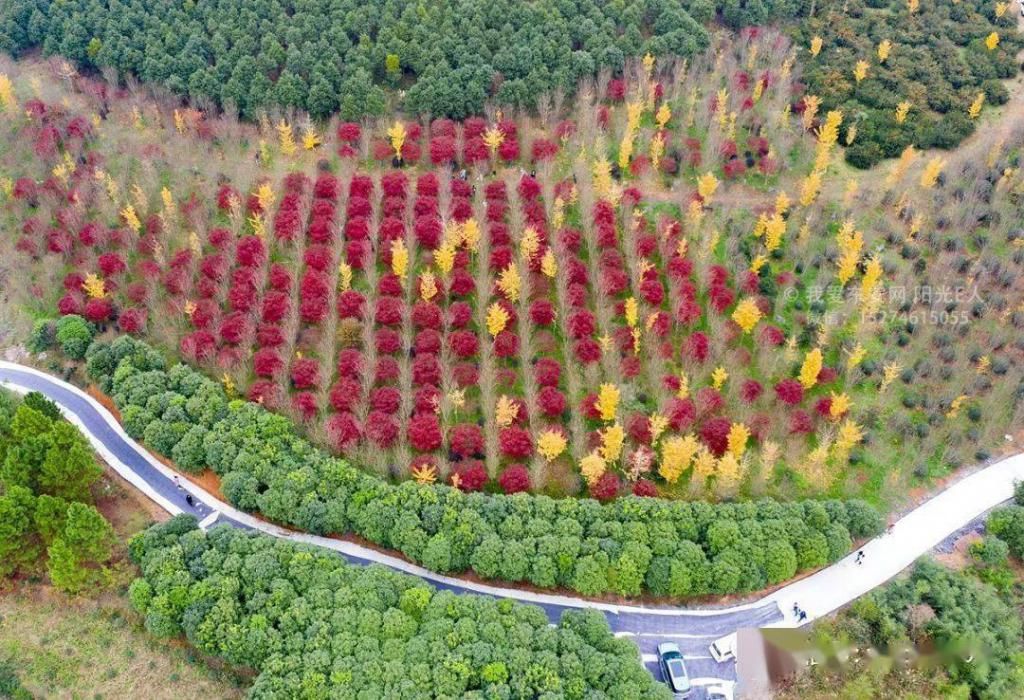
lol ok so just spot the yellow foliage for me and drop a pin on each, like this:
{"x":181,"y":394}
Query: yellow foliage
{"x":657,"y":424}
{"x":728,"y":472}
{"x":956,"y":405}
{"x":424,"y":474}
{"x":344,"y":276}
{"x":782,"y":203}
{"x":1001,"y":8}
{"x":493,"y":138}
{"x":810,"y":368}
{"x":816,"y":43}
{"x":310,"y":139}
{"x":399,"y":258}
{"x":851,"y":134}
{"x":285,"y":138}
{"x":850,"y":435}
{"x":913,"y":5}
{"x":747,"y":314}
{"x":676,"y":454}
{"x":992,"y":41}
{"x":774,"y":229}
{"x":265,"y":196}
{"x":179,"y":122}
{"x":131,"y":218}
{"x":445,"y":258}
{"x":612,"y":439}
{"x":626,"y":150}
{"x":506,"y":411}
{"x":548,"y":266}
{"x":811,"y":105}
{"x":889,"y":374}
{"x":428,"y":286}
{"x":738,"y":436}
{"x":509,"y":282}
{"x":809,"y":188}
{"x":7,"y":100}
{"x":657,"y":149}
{"x":396,"y":135}
{"x":592,"y":467}
{"x":632,"y":311}
{"x":608,"y":401}
{"x":706,"y":186}
{"x":529,"y":244}
{"x":932,"y":171}
{"x":872,"y":273}
{"x":469,"y":234}
{"x":663,"y":115}
{"x":497,"y":319}
{"x":550,"y":444}
{"x":975,"y":109}
{"x":860,"y":71}
{"x":718,"y":377}
{"x":902,"y":109}
{"x":884,"y":48}
{"x":840,"y":405}
{"x":94,"y":287}
{"x":857,"y":355}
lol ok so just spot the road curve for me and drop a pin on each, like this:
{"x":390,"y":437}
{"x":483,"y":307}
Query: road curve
{"x":694,"y":629}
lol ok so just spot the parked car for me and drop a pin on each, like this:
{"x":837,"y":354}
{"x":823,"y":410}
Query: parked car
{"x":723,"y":649}
{"x":722,"y":691}
{"x":672,"y":665}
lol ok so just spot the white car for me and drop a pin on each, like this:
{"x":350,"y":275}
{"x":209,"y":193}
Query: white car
{"x":671,"y":661}
{"x":723,"y":649}
{"x":722,"y":691}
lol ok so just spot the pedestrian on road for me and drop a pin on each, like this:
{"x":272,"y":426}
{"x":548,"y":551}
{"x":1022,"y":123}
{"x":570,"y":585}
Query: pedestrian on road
{"x":860,"y":556}
{"x":191,"y":501}
{"x":177,"y":482}
{"x":803,"y":615}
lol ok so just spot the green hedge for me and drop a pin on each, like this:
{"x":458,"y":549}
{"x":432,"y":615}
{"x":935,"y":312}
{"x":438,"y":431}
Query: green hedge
{"x":628,"y":547}
{"x":313,"y":626}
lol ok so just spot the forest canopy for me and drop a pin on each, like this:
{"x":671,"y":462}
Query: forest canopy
{"x":329,"y":55}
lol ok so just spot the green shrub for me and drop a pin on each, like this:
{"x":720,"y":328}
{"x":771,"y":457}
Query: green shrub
{"x":42,"y":336}
{"x":300,"y":615}
{"x":590,"y":547}
{"x":74,"y":334}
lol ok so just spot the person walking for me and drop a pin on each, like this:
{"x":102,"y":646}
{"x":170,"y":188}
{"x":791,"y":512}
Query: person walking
{"x":860,"y":556}
{"x":191,"y":501}
{"x":177,"y":483}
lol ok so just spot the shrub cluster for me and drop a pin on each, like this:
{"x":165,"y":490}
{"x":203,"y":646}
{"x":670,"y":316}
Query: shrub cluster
{"x":628,"y":546}
{"x":314,"y":626}
{"x":938,"y":62}
{"x":336,"y":55}
{"x":46,"y":470}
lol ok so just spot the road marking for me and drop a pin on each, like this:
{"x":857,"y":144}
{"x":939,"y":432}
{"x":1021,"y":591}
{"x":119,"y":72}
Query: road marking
{"x":209,"y":519}
{"x":649,"y":658}
{"x":668,"y":636}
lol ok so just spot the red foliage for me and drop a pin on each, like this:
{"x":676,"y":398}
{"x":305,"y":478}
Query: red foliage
{"x":607,"y":487}
{"x":466,"y":374}
{"x":827,"y":375}
{"x":581,"y":324}
{"x":132,"y":321}
{"x":472,"y":475}
{"x":697,"y":346}
{"x":306,"y":373}
{"x":198,"y":346}
{"x":708,"y":400}
{"x":387,"y":370}
{"x":462,"y":284}
{"x":235,"y":327}
{"x":275,"y":306}
{"x":269,"y":335}
{"x":386,"y":399}
{"x":543,"y":149}
{"x":506,"y":344}
{"x":800,"y":423}
{"x":547,"y":372}
{"x":349,"y":362}
{"x":345,"y":393}
{"x":267,"y":362}
{"x":424,"y":432}
{"x":466,"y":440}
{"x":387,"y":341}
{"x":515,"y":442}
{"x":751,"y":390}
{"x":715,"y":434}
{"x":587,"y":351}
{"x":251,"y":252}
{"x":426,"y":370}
{"x":381,"y":429}
{"x":823,"y":407}
{"x":350,"y":304}
{"x":772,"y":335}
{"x":542,"y":312}
{"x":681,"y":414}
{"x":317,"y":257}
{"x":639,"y":428}
{"x":389,"y":311}
{"x":463,"y":343}
{"x":509,"y":149}
{"x":790,"y":392}
{"x":616,"y":91}
{"x":313,"y":294}
{"x":97,"y":310}
{"x":515,"y":479}
{"x":460,"y":314}
{"x":645,"y":489}
{"x":304,"y":403}
{"x":551,"y":401}
{"x":265,"y":392}
{"x":342,"y":431}
{"x":426,"y":399}
{"x":442,"y":150}
{"x":349,"y":131}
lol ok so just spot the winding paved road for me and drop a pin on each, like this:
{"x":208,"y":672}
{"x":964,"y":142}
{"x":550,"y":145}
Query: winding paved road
{"x":693,"y":629}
